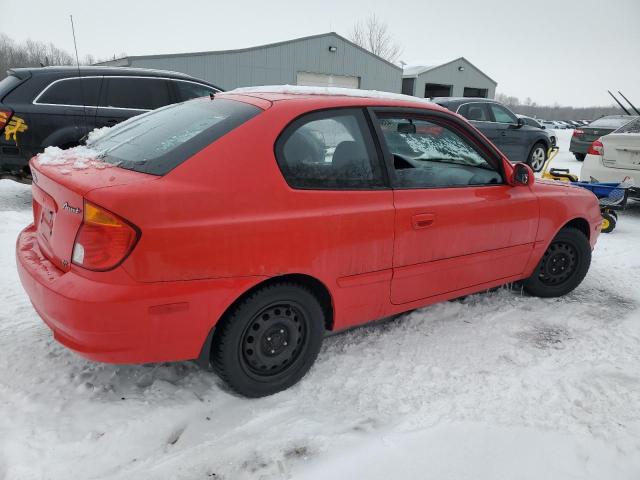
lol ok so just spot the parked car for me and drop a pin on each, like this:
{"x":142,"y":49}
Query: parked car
{"x":58,"y":106}
{"x":532,"y":122}
{"x":239,"y":229}
{"x":614,"y":157}
{"x":575,"y":123}
{"x":518,"y":141}
{"x":548,"y":125}
{"x":582,"y":138}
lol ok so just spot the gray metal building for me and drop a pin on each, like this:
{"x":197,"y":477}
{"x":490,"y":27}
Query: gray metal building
{"x":457,"y":78}
{"x":320,"y":60}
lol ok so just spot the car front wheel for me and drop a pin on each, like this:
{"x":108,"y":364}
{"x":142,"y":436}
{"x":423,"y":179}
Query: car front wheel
{"x":537,"y":157}
{"x":269,"y":340}
{"x":562,"y":267}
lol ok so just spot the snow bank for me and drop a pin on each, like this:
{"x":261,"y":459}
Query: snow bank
{"x":348,"y":92}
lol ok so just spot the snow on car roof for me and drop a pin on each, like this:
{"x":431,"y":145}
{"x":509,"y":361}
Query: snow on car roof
{"x":331,"y":91}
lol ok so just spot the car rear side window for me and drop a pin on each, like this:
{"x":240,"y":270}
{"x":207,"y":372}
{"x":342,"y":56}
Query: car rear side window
{"x":72,"y":91}
{"x":189,"y":90}
{"x":7,"y":84}
{"x":159,"y":141}
{"x":329,"y":150}
{"x":135,"y":93}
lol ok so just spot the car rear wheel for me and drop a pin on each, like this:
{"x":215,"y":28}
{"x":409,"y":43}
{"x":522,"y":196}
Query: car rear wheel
{"x":580,"y":156}
{"x":537,"y":157}
{"x":562,"y":267}
{"x":270,"y":339}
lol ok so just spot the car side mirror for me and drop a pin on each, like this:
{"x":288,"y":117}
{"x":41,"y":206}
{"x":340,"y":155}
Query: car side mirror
{"x":543,"y":127}
{"x":520,"y":123}
{"x":522,"y":175}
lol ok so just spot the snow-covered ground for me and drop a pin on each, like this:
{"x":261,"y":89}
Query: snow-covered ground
{"x":495,"y":386}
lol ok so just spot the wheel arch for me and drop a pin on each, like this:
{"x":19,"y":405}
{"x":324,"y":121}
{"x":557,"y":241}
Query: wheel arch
{"x":580,"y":224}
{"x":318,"y":288}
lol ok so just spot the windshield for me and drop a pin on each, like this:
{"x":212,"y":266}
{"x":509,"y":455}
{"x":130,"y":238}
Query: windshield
{"x":631,"y":127}
{"x":159,"y":141}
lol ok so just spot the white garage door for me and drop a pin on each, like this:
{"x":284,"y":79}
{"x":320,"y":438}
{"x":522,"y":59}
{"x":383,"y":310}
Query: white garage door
{"x":323,"y":80}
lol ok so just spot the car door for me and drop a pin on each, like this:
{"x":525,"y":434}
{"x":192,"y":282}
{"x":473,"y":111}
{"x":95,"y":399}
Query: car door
{"x":458,"y":223}
{"x":479,"y":116}
{"x":513,"y":140}
{"x":125,"y":97}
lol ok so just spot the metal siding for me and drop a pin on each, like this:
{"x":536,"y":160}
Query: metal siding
{"x":449,"y":75}
{"x":279,"y":64}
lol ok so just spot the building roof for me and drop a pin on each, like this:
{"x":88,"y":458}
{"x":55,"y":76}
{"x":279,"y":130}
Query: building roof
{"x":416,"y":70}
{"x":248,"y":49}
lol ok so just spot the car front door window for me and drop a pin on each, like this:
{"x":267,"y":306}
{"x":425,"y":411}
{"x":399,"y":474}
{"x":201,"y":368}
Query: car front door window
{"x":429,"y":155}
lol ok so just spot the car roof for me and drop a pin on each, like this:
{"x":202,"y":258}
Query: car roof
{"x":84,"y":70}
{"x":332,"y":96}
{"x":456,"y":101}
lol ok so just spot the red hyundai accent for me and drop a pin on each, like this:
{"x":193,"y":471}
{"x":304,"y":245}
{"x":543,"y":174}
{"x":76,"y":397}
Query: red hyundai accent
{"x":240,"y":229}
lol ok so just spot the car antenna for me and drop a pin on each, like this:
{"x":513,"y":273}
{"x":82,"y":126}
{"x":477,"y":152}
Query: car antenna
{"x":632,"y":105}
{"x":75,"y":46}
{"x":618,"y":102}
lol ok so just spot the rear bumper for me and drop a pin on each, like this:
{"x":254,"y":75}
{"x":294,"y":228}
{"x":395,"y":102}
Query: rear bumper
{"x":579,"y":146}
{"x":124,"y":322}
{"x":593,"y":168}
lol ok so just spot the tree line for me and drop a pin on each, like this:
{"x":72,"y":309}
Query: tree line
{"x":556,"y":111}
{"x":31,"y":53}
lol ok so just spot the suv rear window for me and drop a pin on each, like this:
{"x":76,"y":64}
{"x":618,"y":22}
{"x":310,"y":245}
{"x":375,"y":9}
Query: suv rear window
{"x":159,"y":141}
{"x":72,"y":91}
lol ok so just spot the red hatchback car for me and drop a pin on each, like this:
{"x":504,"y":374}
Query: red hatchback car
{"x":240,"y":229}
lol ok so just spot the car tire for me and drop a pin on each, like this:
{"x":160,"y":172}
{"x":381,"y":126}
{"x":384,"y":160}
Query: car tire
{"x":562,"y":267}
{"x":269,"y":340}
{"x":580,"y":156}
{"x":537,"y":157}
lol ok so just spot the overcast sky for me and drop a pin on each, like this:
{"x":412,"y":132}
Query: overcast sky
{"x":562,"y":51}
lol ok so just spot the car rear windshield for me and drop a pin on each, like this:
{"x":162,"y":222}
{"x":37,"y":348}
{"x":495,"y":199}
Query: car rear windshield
{"x":159,"y":141}
{"x":610,"y":122}
{"x":631,"y":127}
{"x":7,"y":84}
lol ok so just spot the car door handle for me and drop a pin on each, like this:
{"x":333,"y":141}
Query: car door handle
{"x":423,"y":220}
{"x":504,"y":134}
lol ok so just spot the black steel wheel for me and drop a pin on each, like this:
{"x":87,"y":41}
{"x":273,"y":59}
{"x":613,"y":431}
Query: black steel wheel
{"x":269,"y":340}
{"x":558,"y":263}
{"x":273,"y":339}
{"x":562,"y":267}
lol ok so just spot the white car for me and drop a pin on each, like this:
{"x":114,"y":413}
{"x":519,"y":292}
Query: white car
{"x":614,"y":157}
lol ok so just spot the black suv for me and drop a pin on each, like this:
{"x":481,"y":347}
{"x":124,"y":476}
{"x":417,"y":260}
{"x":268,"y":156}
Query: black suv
{"x":517,"y":140}
{"x":58,"y":106}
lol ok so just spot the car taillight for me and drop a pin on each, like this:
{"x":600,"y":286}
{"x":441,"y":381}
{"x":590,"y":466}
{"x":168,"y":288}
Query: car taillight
{"x":5,"y":116}
{"x":104,"y":239}
{"x":596,"y":148}
{"x":577,"y":132}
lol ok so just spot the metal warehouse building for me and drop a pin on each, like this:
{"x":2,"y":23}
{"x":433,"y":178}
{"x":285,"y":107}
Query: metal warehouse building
{"x":320,"y":60}
{"x":457,"y":78}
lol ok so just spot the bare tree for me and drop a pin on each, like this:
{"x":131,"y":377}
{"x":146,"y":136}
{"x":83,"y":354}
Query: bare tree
{"x":36,"y":54}
{"x":555,"y":111}
{"x":373,"y":34}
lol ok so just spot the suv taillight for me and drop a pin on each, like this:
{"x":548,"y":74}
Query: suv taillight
{"x":104,"y":239}
{"x":596,"y":148}
{"x":577,"y":132}
{"x":5,"y":116}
